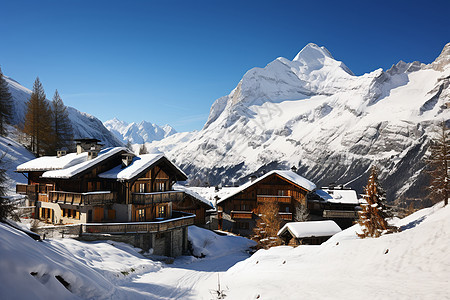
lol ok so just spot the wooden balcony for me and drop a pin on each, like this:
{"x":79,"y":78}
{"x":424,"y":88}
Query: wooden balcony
{"x":344,"y":214}
{"x":241,"y":214}
{"x":92,"y":198}
{"x":285,"y":216}
{"x":159,"y":197}
{"x":270,"y":198}
{"x":181,"y":220}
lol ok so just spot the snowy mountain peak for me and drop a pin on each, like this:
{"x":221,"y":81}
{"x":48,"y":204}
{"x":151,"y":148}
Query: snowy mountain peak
{"x":138,"y":133}
{"x":312,"y":52}
{"x":443,"y":60}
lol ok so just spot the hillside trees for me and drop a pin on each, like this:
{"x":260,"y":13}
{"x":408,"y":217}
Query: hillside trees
{"x":5,"y":104}
{"x":47,"y":126}
{"x":38,"y":121}
{"x":268,"y":225}
{"x":62,"y":128}
{"x":374,"y":214}
{"x":438,"y":162}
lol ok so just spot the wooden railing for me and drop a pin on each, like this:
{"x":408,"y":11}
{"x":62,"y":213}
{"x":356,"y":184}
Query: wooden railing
{"x":241,"y":214}
{"x":269,"y":198}
{"x":93,"y":198}
{"x":42,"y":197}
{"x":347,"y":214}
{"x":140,"y":227}
{"x":160,"y":197}
{"x":286,"y":216}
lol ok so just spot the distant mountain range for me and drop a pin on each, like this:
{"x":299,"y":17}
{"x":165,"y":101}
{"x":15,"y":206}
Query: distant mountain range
{"x":138,"y":133}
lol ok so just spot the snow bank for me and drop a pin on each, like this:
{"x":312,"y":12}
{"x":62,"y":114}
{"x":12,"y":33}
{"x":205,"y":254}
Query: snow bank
{"x":206,"y":243}
{"x":411,"y":264}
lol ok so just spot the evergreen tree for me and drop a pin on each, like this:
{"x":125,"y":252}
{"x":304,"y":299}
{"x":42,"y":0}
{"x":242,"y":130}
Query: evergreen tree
{"x":38,"y":121}
{"x":438,"y":163}
{"x":5,"y":105}
{"x":374,"y":214}
{"x":267,"y":226}
{"x":129,"y":146}
{"x":7,"y":209}
{"x":62,"y":128}
{"x":143,"y":149}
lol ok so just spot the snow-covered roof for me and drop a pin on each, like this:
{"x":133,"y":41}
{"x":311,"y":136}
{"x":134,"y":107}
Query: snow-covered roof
{"x":179,"y":187}
{"x":46,"y":163}
{"x":139,"y":164}
{"x":286,"y":174}
{"x":338,"y":196}
{"x":311,"y":229}
{"x":86,"y":164}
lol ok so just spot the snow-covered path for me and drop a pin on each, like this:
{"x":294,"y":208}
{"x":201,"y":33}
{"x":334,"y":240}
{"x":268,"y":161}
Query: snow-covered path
{"x":189,"y":277}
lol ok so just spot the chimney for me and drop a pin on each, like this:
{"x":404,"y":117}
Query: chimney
{"x":127,"y":158}
{"x":85,"y":145}
{"x":253,"y":178}
{"x":294,"y":169}
{"x":93,"y":151}
{"x":61,"y":153}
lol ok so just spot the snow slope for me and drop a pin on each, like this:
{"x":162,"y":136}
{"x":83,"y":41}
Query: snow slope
{"x":138,"y":133}
{"x":14,"y":154}
{"x":312,"y":112}
{"x":413,"y":263}
{"x":83,"y":124}
{"x":410,"y":264}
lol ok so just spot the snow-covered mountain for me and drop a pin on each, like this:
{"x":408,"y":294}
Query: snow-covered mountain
{"x":84,"y":125}
{"x":314,"y":113}
{"x":138,"y":133}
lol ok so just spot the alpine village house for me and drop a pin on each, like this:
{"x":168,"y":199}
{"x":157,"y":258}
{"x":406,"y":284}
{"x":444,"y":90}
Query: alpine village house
{"x":113,"y":194}
{"x":238,"y":211}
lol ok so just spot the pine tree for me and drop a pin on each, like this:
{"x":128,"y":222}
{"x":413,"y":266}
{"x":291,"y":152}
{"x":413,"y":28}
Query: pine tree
{"x":5,"y":105}
{"x":62,"y":128}
{"x":143,"y":149}
{"x":267,"y":226}
{"x":374,"y":214}
{"x":38,"y":121}
{"x":129,"y":146}
{"x":438,"y":163}
{"x":7,"y":209}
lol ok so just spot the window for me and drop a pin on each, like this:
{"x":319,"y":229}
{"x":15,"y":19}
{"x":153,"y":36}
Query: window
{"x":141,"y":214}
{"x":282,"y":193}
{"x":160,"y":186}
{"x":287,"y":209}
{"x":142,"y":188}
{"x":161,"y":211}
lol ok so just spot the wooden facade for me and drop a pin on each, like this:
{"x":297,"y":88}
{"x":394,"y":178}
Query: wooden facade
{"x":239,"y":212}
{"x":86,"y":197}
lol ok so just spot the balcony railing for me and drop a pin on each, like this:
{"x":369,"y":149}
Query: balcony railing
{"x":241,"y":214}
{"x":182,"y":220}
{"x":92,"y":198}
{"x":159,"y":197}
{"x":270,"y":198}
{"x":285,"y":216}
{"x":345,"y":214}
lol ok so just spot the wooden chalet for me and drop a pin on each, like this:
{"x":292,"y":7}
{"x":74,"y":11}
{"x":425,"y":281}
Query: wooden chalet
{"x":308,"y":233}
{"x":110,"y":185}
{"x":238,"y":211}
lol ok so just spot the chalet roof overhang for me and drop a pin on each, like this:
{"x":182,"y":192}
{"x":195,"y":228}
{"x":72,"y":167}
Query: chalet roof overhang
{"x":164,"y":164}
{"x":261,"y":180}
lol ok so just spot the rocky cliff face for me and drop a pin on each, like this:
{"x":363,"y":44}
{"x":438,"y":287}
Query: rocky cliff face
{"x":313,"y":112}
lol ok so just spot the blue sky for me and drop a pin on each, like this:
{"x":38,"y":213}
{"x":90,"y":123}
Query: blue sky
{"x":168,"y":61}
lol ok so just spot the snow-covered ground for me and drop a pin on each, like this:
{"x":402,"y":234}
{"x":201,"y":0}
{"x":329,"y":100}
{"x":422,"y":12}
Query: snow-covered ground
{"x":411,"y":264}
